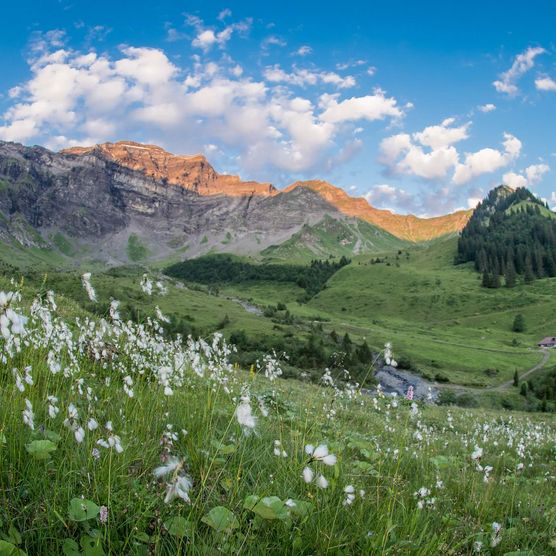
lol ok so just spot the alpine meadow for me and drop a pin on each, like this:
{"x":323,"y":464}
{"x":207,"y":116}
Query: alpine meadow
{"x":348,"y":350}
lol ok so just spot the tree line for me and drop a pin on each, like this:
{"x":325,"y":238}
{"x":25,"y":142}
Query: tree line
{"x":511,"y":237}
{"x":225,"y":269}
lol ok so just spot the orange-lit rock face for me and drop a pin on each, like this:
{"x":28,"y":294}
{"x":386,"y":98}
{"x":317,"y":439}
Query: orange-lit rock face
{"x":407,"y":227}
{"x":192,"y":172}
{"x":195,"y":173}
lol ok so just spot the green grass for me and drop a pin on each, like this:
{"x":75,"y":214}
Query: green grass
{"x":332,"y":237}
{"x":388,"y":450}
{"x":136,"y":250}
{"x":435,"y":313}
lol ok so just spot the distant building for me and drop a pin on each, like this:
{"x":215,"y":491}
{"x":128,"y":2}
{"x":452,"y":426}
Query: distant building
{"x":548,"y":342}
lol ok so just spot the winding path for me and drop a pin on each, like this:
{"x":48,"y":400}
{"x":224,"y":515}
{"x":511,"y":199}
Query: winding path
{"x":505,"y":385}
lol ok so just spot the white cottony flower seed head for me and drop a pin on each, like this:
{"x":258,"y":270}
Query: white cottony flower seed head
{"x":308,"y":474}
{"x":322,"y":482}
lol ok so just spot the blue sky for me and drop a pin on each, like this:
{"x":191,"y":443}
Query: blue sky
{"x":421,"y":107}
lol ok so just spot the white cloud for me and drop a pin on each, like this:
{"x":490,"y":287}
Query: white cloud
{"x":487,"y":108}
{"x":431,"y":155}
{"x":82,"y":98}
{"x":391,"y":198}
{"x":487,"y":160}
{"x":273,"y":40}
{"x":207,"y":37}
{"x":545,"y":84}
{"x":438,"y":136}
{"x":224,"y":14}
{"x":406,"y":154}
{"x":522,"y":64}
{"x":304,"y":50}
{"x":531,"y":176}
{"x":303,"y":77}
{"x":369,"y":107}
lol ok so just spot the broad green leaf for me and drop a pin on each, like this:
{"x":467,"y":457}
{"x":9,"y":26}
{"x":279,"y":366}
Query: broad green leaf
{"x":142,"y":537}
{"x":81,"y":509}
{"x":91,"y":546}
{"x":41,"y":449}
{"x":70,"y":548}
{"x":9,"y":549}
{"x":14,"y":535}
{"x":221,"y":519}
{"x":179,"y":526}
{"x":270,"y":507}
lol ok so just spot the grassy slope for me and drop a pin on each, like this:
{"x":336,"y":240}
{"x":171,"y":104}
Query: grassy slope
{"x":381,"y":449}
{"x":436,"y":313}
{"x":333,"y":237}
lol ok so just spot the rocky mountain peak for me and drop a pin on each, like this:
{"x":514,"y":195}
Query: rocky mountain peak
{"x":192,"y":172}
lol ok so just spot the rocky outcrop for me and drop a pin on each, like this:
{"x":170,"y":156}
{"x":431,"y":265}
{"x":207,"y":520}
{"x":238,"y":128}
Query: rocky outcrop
{"x":97,"y":197}
{"x":190,"y":172}
{"x":407,"y":227}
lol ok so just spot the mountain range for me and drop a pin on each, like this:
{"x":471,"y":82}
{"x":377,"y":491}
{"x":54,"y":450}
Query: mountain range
{"x":126,"y":201}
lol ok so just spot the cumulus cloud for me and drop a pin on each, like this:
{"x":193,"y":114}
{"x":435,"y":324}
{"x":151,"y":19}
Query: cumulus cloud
{"x":303,"y":77}
{"x":522,"y":64}
{"x":82,"y":98}
{"x":208,"y":37}
{"x":487,"y":160}
{"x":369,"y":107}
{"x":545,"y":84}
{"x":530,"y":176}
{"x":485,"y":108}
{"x":430,"y":154}
{"x":407,"y":154}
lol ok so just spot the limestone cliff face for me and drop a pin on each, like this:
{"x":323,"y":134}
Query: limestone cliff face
{"x":99,"y":196}
{"x":196,"y":174}
{"x":407,"y":227}
{"x":191,"y":172}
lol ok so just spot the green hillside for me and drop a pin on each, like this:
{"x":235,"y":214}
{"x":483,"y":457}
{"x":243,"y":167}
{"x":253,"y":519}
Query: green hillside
{"x":347,"y":237}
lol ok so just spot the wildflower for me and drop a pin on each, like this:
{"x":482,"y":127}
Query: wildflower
{"x":180,"y":483}
{"x":477,"y":546}
{"x":86,"y":281}
{"x":160,"y":316}
{"x":95,"y":453}
{"x":244,"y":415}
{"x":79,"y":434}
{"x":349,"y":491}
{"x":92,"y":424}
{"x":409,"y":393}
{"x":308,"y":474}
{"x":278,"y":451}
{"x":322,"y":482}
{"x":146,"y":285}
{"x":53,"y":409}
{"x":103,"y":514}
{"x":28,"y":415}
{"x":477,"y":454}
{"x":320,"y":453}
{"x":495,"y":536}
{"x":114,"y":314}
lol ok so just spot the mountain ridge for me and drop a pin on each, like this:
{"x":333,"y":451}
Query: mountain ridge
{"x":195,"y":172}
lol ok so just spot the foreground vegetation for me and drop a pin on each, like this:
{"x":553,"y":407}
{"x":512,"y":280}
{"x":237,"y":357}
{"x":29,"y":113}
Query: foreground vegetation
{"x":117,"y":439}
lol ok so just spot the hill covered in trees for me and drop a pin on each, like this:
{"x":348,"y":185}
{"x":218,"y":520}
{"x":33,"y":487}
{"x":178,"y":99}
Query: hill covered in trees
{"x":512,"y":234}
{"x":224,"y":269}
